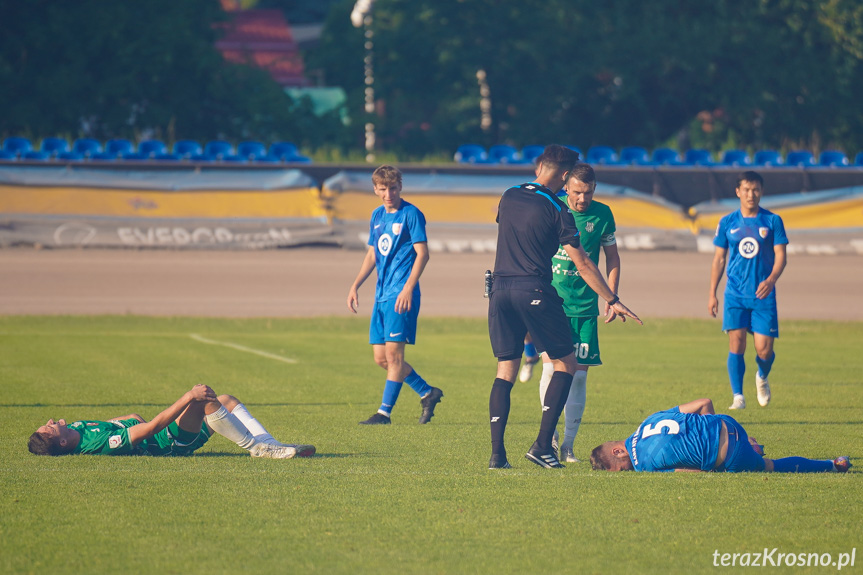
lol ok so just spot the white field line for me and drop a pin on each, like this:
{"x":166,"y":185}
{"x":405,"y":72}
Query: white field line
{"x":238,"y":347}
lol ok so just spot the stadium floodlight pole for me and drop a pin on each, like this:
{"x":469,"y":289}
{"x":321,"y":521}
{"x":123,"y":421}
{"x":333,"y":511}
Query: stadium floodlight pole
{"x":361,"y":15}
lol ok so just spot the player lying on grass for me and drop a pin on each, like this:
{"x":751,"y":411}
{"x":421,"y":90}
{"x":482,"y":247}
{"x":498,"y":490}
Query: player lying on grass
{"x":691,"y":437}
{"x":179,"y":430}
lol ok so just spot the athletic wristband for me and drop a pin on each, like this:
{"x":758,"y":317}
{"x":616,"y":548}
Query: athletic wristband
{"x":613,"y":300}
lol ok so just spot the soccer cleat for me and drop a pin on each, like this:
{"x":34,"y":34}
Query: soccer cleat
{"x":738,"y":403}
{"x":270,"y":451}
{"x":428,"y":404}
{"x":842,"y":464}
{"x":763,"y":390}
{"x":377,"y":419}
{"x":555,"y":440}
{"x":567,"y":455}
{"x":548,"y":460}
{"x":303,"y":450}
{"x":498,"y":462}
{"x":527,"y":369}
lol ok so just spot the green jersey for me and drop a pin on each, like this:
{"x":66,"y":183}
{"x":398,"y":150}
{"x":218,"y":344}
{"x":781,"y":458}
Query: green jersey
{"x":596,"y":228}
{"x":105,"y":437}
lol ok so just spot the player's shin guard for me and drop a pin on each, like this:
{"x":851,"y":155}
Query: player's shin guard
{"x":530,"y":350}
{"x":253,"y":425}
{"x":574,"y":409}
{"x":547,"y":372}
{"x":765,"y":365}
{"x":418,"y":384}
{"x":229,"y":425}
{"x":801,"y":465}
{"x":736,"y":370}
{"x":555,"y":398}
{"x":498,"y":410}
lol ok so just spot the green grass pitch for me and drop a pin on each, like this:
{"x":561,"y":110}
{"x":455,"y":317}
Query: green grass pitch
{"x":408,"y":498}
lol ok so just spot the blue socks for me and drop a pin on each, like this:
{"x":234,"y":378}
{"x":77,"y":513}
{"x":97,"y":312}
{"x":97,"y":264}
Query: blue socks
{"x":391,"y":394}
{"x":417,"y":383}
{"x":736,"y":369}
{"x":801,"y":465}
{"x":530,"y":350}
{"x":765,"y":365}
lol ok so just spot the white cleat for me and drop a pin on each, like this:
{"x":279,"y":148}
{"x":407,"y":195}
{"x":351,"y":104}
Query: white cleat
{"x":567,"y":455}
{"x":527,"y":369}
{"x":270,"y":451}
{"x":738,"y":403}
{"x":763,"y":390}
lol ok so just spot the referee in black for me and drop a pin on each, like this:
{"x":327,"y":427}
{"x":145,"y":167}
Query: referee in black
{"x":532,"y":223}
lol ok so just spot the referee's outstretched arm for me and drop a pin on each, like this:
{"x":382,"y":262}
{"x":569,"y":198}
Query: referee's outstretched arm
{"x":588,"y":270}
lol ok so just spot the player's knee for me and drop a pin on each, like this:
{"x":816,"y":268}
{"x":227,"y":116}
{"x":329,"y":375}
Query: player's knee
{"x":229,"y":401}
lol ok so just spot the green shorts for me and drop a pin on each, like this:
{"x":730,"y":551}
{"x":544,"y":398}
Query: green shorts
{"x":585,"y":340}
{"x":173,"y":441}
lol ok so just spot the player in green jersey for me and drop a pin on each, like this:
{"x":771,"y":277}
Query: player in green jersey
{"x":595,"y":224}
{"x":179,"y":430}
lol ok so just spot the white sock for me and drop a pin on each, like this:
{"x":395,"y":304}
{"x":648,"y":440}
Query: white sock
{"x":253,"y":425}
{"x":547,"y":372}
{"x":574,"y":409}
{"x":228,"y":425}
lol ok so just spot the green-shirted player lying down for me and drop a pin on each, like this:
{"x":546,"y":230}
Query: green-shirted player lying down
{"x":179,"y":430}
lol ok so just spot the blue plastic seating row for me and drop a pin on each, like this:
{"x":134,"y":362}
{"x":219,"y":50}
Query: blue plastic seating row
{"x":15,"y":148}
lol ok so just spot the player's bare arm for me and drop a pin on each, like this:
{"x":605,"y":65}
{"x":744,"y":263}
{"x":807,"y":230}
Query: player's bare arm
{"x":702,"y":406}
{"x":365,"y":270}
{"x":717,"y":268}
{"x":139,"y":433}
{"x":765,"y":287}
{"x":405,"y":297}
{"x":591,"y":274}
{"x":612,"y":272}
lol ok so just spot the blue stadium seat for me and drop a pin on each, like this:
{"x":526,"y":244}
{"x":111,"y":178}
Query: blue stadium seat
{"x":833,"y":159}
{"x":16,"y":145}
{"x":698,"y":157}
{"x":266,"y":160}
{"x":218,"y":149}
{"x":503,"y":154}
{"x":800,"y":158}
{"x":54,"y":145}
{"x":187,"y":148}
{"x":768,"y":158}
{"x":529,"y":154}
{"x":666,"y":157}
{"x":70,"y":156}
{"x":634,"y":155}
{"x":103,"y":157}
{"x":602,"y":155}
{"x":202,"y":158}
{"x":471,"y":154}
{"x":251,"y":150}
{"x":281,"y":150}
{"x":168,"y":157}
{"x":36,"y":156}
{"x":135,"y":157}
{"x":119,"y":147}
{"x":7,"y":156}
{"x":858,"y":159}
{"x":235,"y":159}
{"x":152,"y":148}
{"x":87,"y":147}
{"x":736,"y":158}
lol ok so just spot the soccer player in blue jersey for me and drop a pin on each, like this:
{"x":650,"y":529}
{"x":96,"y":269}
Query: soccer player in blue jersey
{"x":398,"y":250}
{"x":752,"y":240}
{"x":691,"y":437}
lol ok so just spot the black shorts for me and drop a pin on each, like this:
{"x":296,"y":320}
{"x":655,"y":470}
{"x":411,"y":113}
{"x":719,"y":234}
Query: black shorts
{"x":521,"y":305}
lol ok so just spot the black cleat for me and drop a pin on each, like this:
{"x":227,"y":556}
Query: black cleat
{"x":498,"y":462}
{"x":428,"y":404}
{"x":548,"y":460}
{"x":377,"y":419}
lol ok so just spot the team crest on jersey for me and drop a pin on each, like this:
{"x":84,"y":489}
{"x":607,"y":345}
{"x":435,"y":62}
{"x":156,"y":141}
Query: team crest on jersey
{"x":385,"y":244}
{"x":397,"y":229}
{"x":115,"y":441}
{"x":588,"y":227}
{"x":748,"y":248}
{"x":763,"y":232}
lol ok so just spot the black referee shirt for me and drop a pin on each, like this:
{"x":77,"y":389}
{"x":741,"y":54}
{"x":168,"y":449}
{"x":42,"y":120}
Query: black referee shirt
{"x":532,"y":224}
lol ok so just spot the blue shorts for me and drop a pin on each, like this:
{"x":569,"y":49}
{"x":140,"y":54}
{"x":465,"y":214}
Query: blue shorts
{"x":756,"y":315}
{"x":387,"y":325}
{"x":741,"y":456}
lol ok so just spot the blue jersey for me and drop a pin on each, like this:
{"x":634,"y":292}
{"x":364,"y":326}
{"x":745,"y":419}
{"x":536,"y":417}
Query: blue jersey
{"x":393,"y":236}
{"x":750,"y":243}
{"x":668,"y":440}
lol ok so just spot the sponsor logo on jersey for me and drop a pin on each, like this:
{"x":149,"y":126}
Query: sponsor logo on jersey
{"x":397,"y":229}
{"x":748,"y":248}
{"x":763,"y":232}
{"x":733,"y":230}
{"x":115,"y":441}
{"x":385,"y":244}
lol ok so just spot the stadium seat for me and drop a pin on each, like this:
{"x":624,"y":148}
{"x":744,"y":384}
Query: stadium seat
{"x":234,"y":159}
{"x":17,"y":146}
{"x":103,"y":157}
{"x":135,"y":157}
{"x":187,"y":148}
{"x":70,"y":156}
{"x":36,"y":156}
{"x":54,"y":145}
{"x":602,"y":155}
{"x":86,"y":147}
{"x":202,"y":158}
{"x":503,"y":154}
{"x":119,"y":147}
{"x":168,"y":157}
{"x":736,"y":158}
{"x":218,"y":149}
{"x":471,"y":154}
{"x":698,"y":157}
{"x":768,"y":158}
{"x":666,"y":157}
{"x":833,"y":159}
{"x":800,"y":158}
{"x":266,"y":160}
{"x":634,"y":155}
{"x":858,"y":159}
{"x":152,"y":148}
{"x":7,"y":156}
{"x":529,"y":154}
{"x":282,"y":149}
{"x":251,"y":150}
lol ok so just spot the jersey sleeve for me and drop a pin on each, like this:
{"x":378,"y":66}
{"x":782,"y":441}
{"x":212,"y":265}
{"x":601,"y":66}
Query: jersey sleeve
{"x":567,"y":232}
{"x":371,"y":241}
{"x":416,"y":224}
{"x":779,"y":237}
{"x":720,"y":240}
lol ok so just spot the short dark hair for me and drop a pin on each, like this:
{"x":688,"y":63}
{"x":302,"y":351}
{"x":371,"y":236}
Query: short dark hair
{"x":387,"y":175}
{"x":41,"y":444}
{"x":559,"y":156}
{"x":583,"y":173}
{"x":602,"y":459}
{"x":750,"y":176}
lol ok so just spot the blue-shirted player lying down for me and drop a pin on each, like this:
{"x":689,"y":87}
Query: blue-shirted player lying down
{"x":692,"y":437}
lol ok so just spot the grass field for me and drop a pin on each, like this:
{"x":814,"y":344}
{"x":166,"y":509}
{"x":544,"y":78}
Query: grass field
{"x":407,"y":498}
